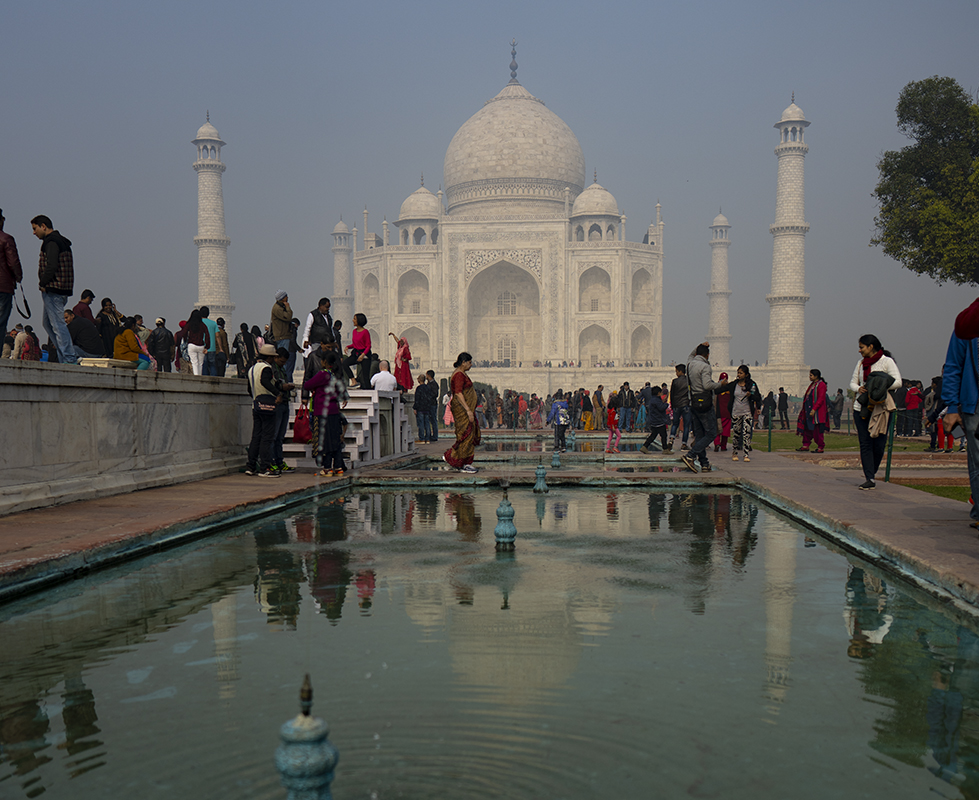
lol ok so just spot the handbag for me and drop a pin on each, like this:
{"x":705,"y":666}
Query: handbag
{"x":701,"y":401}
{"x":302,"y":430}
{"x":26,"y":314}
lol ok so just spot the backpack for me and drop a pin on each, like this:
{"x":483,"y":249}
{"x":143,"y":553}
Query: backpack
{"x":31,"y":351}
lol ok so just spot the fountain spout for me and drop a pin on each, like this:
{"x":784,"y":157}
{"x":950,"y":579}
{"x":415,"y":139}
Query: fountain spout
{"x":306,"y":759}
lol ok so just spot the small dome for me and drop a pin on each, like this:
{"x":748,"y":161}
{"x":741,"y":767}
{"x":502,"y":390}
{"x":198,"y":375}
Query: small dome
{"x":341,"y":227}
{"x":208,"y":131}
{"x":793,"y":114}
{"x":720,"y":219}
{"x":595,"y":201}
{"x":420,"y":204}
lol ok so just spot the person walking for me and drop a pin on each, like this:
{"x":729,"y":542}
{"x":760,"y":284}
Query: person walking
{"x":56,"y":280}
{"x":723,"y":407}
{"x":657,"y":420}
{"x":744,"y":403}
{"x":783,"y":409}
{"x":614,"y":406}
{"x":680,"y":403}
{"x":160,"y":345}
{"x":463,"y":404}
{"x":960,"y":392}
{"x":813,"y":415}
{"x":875,"y":363}
{"x":560,"y":418}
{"x":11,"y":273}
{"x":198,"y":341}
{"x":702,"y":389}
{"x":836,"y":408}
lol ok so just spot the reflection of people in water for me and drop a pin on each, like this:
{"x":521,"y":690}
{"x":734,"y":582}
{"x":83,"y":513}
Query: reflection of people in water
{"x":865,"y":614}
{"x":279,"y":574}
{"x":462,"y":509}
{"x":612,"y":505}
{"x":365,"y":588}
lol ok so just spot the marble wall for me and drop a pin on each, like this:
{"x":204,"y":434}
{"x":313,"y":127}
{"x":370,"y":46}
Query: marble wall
{"x":83,"y":432}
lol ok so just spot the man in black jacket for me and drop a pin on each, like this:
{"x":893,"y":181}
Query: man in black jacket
{"x":84,"y":336}
{"x":783,"y":408}
{"x":161,"y":345}
{"x":56,"y":280}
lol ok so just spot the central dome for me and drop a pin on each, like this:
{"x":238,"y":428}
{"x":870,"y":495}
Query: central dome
{"x":513,"y":155}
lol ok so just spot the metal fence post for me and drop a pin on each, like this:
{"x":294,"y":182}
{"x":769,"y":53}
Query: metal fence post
{"x":890,"y":448}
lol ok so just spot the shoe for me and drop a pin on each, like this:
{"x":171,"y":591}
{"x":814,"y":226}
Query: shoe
{"x":734,"y":457}
{"x":667,"y":450}
{"x":802,"y":449}
{"x":338,"y":472}
{"x":286,"y":468}
{"x":974,"y":524}
{"x":947,"y":450}
{"x":273,"y":468}
{"x":706,"y":468}
{"x":717,"y":448}
{"x":469,"y":468}
{"x":684,"y":447}
{"x":691,"y":464}
{"x":746,"y":459}
{"x":867,"y":485}
{"x":820,"y":450}
{"x":269,"y":474}
{"x":250,"y":471}
{"x":644,"y":450}
{"x":931,"y":449}
{"x":325,"y":473}
{"x":616,"y":450}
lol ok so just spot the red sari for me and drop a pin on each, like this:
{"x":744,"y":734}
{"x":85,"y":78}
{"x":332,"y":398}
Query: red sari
{"x":401,"y":372}
{"x":467,"y":432}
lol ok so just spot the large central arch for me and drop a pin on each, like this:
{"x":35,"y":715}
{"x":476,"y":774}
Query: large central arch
{"x":503,"y":302}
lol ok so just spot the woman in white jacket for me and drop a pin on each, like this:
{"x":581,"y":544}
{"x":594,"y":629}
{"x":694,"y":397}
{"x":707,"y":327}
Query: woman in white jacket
{"x":874,"y":358}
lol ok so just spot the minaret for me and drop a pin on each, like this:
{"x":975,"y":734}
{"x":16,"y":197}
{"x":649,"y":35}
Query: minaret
{"x":212,"y":242}
{"x":787,"y":320}
{"x":342,"y":299}
{"x":719,"y":328}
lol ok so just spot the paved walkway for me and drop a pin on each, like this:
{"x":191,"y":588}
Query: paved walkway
{"x":893,"y":525}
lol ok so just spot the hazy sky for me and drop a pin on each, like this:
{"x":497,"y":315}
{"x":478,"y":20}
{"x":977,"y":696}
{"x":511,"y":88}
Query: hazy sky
{"x":327,"y":107}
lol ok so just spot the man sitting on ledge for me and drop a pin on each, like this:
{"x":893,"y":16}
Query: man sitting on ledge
{"x":384,"y":381}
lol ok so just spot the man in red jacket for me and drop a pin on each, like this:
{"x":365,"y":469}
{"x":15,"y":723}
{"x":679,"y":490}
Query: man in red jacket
{"x":10,"y":273}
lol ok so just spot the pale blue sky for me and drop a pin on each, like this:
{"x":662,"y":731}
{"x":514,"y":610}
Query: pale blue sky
{"x":327,"y":107}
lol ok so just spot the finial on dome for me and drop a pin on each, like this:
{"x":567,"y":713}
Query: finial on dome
{"x":596,"y":176}
{"x":513,"y":61}
{"x":793,"y":97}
{"x":423,"y":179}
{"x":208,"y":115}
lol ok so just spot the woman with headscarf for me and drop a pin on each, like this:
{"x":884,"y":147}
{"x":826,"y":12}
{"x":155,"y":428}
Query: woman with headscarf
{"x":874,"y":359}
{"x":813,"y":416}
{"x":402,"y":356}
{"x":463,"y":404}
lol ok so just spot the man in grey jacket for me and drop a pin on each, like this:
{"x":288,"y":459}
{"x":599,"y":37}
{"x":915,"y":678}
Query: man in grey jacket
{"x":704,"y":421}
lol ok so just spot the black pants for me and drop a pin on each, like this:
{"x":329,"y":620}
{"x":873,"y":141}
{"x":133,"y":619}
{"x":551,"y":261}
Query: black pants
{"x":559,"y":442}
{"x":263,"y":432}
{"x":871,"y":450}
{"x":783,"y":419}
{"x":659,"y":430}
{"x":363,"y":368}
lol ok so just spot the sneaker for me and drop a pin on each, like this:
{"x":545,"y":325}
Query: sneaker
{"x":668,"y":450}
{"x":338,"y":472}
{"x":250,"y":471}
{"x":746,"y":459}
{"x":684,"y":447}
{"x":644,"y":449}
{"x":706,"y":468}
{"x":286,"y":468}
{"x":269,"y":474}
{"x":735,"y":457}
{"x":867,"y":485}
{"x":948,"y":450}
{"x":325,"y":473}
{"x":469,"y":468}
{"x":691,"y":464}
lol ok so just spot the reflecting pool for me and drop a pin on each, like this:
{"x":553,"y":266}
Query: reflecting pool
{"x":635,"y":645}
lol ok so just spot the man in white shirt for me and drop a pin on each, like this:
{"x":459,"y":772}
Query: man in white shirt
{"x":384,"y":381}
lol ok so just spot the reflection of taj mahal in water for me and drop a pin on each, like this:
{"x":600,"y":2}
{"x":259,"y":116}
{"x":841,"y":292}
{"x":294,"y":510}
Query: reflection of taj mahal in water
{"x":519,"y":261}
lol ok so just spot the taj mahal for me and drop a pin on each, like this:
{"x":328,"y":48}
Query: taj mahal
{"x":522,"y":262}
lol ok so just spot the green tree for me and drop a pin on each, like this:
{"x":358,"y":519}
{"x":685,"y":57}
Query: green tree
{"x":929,"y":191}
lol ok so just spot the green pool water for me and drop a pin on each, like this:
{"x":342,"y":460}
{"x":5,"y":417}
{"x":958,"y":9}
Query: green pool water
{"x":634,"y":645}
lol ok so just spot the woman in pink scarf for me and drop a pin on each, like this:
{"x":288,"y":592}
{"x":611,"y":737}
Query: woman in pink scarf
{"x":401,"y":358}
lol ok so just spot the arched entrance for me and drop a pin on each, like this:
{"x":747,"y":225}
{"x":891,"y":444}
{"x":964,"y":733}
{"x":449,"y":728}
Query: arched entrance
{"x":504,"y":314}
{"x":594,"y":345}
{"x":642,"y":344}
{"x":413,"y":293}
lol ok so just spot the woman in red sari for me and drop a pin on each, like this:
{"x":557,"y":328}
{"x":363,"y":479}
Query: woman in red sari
{"x":812,"y":417}
{"x":463,"y":405}
{"x":401,"y":358}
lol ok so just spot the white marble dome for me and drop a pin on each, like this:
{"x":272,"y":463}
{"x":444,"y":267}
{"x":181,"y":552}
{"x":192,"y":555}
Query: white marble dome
{"x":341,"y":227}
{"x":595,"y":201}
{"x":720,"y":219}
{"x":793,"y":114}
{"x":514,"y":151}
{"x":208,"y":131}
{"x":420,"y":204}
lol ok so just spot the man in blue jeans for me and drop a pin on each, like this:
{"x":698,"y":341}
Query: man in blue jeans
{"x":680,"y":403}
{"x":10,"y":274}
{"x":56,"y":280}
{"x":960,"y":392}
{"x":703,"y":421}
{"x":433,"y":411}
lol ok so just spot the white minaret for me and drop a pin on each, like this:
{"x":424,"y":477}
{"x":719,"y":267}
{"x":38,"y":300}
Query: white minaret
{"x":212,"y":242}
{"x":719,"y":329}
{"x":342,"y":299}
{"x":787,"y":321}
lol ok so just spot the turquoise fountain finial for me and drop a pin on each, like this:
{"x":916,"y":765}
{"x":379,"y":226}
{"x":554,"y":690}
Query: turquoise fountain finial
{"x":306,"y":759}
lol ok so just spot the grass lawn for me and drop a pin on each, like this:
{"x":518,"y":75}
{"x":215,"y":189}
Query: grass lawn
{"x":787,"y":440}
{"x":952,"y":492}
